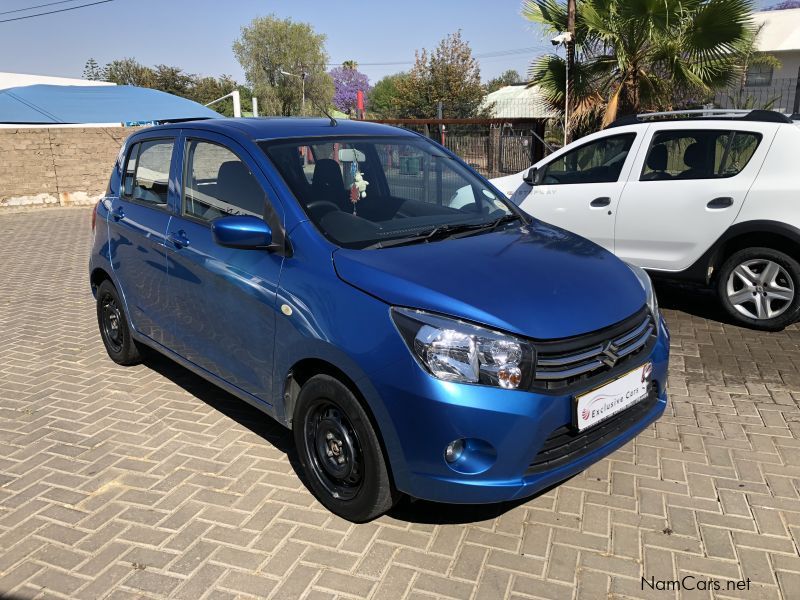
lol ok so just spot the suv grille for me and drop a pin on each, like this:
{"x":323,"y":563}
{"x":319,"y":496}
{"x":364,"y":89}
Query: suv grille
{"x":567,"y":364}
{"x":566,"y":443}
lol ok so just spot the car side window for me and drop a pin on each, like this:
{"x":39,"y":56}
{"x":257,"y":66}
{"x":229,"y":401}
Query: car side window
{"x":218,"y":183}
{"x":599,"y":161}
{"x":698,"y":154}
{"x":146,"y":178}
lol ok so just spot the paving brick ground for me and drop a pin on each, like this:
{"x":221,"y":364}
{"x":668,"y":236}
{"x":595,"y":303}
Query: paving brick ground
{"x":147,"y":482}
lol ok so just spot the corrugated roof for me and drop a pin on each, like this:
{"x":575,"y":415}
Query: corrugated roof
{"x":57,"y":104}
{"x":781,"y":30}
{"x":519,"y":101}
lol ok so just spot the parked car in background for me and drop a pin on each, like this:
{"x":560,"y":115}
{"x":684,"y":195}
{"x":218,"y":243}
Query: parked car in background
{"x":712,"y":199}
{"x":459,"y":355}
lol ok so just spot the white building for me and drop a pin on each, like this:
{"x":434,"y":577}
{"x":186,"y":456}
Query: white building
{"x":12,"y":80}
{"x":518,"y":101}
{"x":780,"y":37}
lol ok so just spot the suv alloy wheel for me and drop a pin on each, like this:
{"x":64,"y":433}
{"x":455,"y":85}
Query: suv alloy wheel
{"x":760,"y":288}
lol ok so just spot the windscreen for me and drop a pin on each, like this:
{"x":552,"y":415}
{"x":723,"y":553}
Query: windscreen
{"x":361,"y":192}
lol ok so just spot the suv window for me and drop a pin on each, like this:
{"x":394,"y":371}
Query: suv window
{"x":146,"y":177}
{"x":698,"y":154}
{"x":217,"y":183}
{"x":599,"y":161}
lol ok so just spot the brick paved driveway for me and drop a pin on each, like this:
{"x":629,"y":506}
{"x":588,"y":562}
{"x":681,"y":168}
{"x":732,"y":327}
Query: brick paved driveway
{"x":148,"y":482}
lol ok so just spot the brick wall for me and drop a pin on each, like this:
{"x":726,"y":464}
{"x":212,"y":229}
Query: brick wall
{"x":61,"y":166}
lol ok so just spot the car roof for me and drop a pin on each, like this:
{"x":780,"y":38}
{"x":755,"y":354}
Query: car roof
{"x":276,"y":128}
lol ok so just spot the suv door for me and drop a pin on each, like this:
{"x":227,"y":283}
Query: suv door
{"x":579,"y":189}
{"x":137,"y":226}
{"x":686,"y":189}
{"x":222,"y":299}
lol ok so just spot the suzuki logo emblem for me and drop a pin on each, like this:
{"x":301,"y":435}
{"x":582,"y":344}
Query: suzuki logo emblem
{"x":609,"y":356}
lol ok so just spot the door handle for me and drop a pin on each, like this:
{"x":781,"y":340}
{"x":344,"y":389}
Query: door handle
{"x":118,"y":213}
{"x":602,"y":201}
{"x":178,"y":239}
{"x":722,"y":202}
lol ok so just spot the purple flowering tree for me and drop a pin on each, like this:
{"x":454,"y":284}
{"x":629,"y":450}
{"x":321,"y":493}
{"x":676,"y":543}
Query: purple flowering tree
{"x":347,"y":81}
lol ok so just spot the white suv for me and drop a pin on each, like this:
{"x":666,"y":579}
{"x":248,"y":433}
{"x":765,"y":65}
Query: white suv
{"x":714,"y":199}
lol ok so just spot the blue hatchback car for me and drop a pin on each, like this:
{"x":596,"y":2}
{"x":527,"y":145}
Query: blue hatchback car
{"x":318,"y":271}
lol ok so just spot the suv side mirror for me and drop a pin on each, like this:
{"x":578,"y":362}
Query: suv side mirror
{"x":245,"y":232}
{"x":530,"y":176}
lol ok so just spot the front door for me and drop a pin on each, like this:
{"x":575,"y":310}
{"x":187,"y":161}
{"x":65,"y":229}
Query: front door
{"x":686,"y":190}
{"x":137,"y":227}
{"x":222,"y":299}
{"x":579,"y":189}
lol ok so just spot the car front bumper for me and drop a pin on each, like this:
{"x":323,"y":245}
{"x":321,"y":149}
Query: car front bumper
{"x":506,"y":430}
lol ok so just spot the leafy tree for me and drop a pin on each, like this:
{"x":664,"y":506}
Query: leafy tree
{"x":172,"y":80}
{"x":92,"y":70}
{"x":128,"y":71}
{"x":382,"y":99}
{"x":633,"y":55}
{"x":270,"y":45}
{"x":509,"y":77}
{"x":208,"y":89}
{"x":347,"y":81}
{"x":449,"y":74}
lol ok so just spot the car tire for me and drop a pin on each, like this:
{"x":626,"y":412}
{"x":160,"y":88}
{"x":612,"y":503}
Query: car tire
{"x":760,"y":288}
{"x":115,"y":330}
{"x":340,"y":453}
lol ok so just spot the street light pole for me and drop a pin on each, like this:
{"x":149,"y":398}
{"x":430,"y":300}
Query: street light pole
{"x":570,"y":45}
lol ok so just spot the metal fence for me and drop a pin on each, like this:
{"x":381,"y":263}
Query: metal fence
{"x":780,"y":94}
{"x":493,"y":147}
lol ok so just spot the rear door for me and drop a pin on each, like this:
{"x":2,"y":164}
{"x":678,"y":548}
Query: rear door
{"x":686,"y":188}
{"x":222,"y":299}
{"x":579,"y":189}
{"x":137,"y":226}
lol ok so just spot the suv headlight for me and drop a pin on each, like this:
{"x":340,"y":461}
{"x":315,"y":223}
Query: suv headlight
{"x":647,"y":284}
{"x":452,"y":350}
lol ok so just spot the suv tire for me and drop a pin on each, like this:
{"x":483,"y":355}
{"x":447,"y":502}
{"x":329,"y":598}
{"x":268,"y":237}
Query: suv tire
{"x":760,"y":288}
{"x":114,"y":328}
{"x":339,"y":451}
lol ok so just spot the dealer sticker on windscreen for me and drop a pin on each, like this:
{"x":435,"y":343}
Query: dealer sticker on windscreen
{"x":606,"y":401}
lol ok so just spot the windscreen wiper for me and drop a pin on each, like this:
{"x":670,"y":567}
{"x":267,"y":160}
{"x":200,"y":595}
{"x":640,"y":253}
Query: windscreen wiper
{"x":445,"y":231}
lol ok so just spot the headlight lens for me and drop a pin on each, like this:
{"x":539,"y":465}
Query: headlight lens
{"x":452,"y":350}
{"x":647,"y":284}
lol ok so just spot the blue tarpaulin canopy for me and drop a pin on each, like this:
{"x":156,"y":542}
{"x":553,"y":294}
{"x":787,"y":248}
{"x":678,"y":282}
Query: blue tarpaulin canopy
{"x":60,"y":104}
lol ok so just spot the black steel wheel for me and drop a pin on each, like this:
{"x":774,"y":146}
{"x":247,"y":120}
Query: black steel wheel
{"x":341,"y":455}
{"x":114,"y":329}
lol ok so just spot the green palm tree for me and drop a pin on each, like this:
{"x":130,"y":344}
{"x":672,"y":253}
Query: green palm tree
{"x":636,"y":54}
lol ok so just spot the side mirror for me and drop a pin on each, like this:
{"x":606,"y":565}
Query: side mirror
{"x":245,"y":232}
{"x":530,"y":176}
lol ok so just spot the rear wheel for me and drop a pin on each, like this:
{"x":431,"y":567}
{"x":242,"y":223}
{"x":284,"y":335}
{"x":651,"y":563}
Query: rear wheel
{"x":114,"y":328}
{"x":760,"y":288}
{"x":340,"y":453}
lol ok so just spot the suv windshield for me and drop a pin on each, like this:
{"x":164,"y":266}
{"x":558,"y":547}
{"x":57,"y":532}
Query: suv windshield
{"x":380,"y":191}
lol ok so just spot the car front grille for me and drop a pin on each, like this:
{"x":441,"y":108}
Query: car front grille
{"x":566,"y":443}
{"x":565,"y":365}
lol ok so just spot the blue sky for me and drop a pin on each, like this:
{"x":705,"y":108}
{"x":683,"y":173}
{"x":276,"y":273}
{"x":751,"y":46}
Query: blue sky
{"x":197,"y":35}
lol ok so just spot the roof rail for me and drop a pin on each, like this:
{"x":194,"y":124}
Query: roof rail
{"x":764,"y":116}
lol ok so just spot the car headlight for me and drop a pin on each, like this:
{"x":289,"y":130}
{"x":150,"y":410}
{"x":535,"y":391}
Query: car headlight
{"x":647,"y":284}
{"x":452,"y":350}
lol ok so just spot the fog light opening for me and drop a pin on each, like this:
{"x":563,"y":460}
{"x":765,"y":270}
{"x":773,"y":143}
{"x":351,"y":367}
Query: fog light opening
{"x":454,"y":451}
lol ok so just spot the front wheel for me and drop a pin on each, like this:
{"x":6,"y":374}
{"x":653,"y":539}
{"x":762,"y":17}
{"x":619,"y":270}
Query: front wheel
{"x":340,"y":453}
{"x":760,"y":288}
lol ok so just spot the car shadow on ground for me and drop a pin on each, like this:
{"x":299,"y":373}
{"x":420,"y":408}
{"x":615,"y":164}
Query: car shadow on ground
{"x":692,"y":299}
{"x":413,"y":511}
